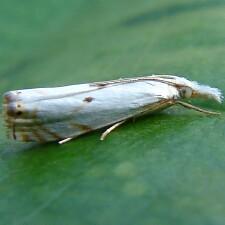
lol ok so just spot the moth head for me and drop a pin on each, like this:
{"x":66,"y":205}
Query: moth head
{"x":192,"y":89}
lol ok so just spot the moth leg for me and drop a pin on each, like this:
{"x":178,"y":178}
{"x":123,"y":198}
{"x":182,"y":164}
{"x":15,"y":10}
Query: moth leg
{"x":189,"y":106}
{"x":65,"y":140}
{"x":109,"y":130}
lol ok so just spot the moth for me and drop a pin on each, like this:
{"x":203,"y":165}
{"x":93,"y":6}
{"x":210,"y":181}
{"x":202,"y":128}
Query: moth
{"x":63,"y":113}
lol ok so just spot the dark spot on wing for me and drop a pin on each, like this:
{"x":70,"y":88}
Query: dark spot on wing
{"x":18,"y":113}
{"x":88,"y":99}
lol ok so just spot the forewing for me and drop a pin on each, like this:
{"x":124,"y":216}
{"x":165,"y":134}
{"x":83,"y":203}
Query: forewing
{"x":58,"y":113}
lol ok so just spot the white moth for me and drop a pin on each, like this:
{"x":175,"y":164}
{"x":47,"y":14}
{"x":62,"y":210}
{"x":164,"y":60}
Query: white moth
{"x":63,"y":113}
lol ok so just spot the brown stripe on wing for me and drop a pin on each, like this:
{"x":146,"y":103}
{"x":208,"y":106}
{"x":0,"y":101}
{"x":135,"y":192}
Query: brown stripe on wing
{"x":103,"y":84}
{"x":37,"y":133}
{"x":54,"y":134}
{"x":38,"y":136}
{"x":160,"y":105}
{"x":25,"y":137}
{"x":25,"y":134}
{"x":13,"y":133}
{"x":82,"y":127}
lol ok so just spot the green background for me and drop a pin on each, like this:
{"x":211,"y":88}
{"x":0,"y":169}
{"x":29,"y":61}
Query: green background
{"x":167,"y":168}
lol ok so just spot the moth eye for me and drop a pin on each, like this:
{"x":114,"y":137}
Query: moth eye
{"x":186,"y":92}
